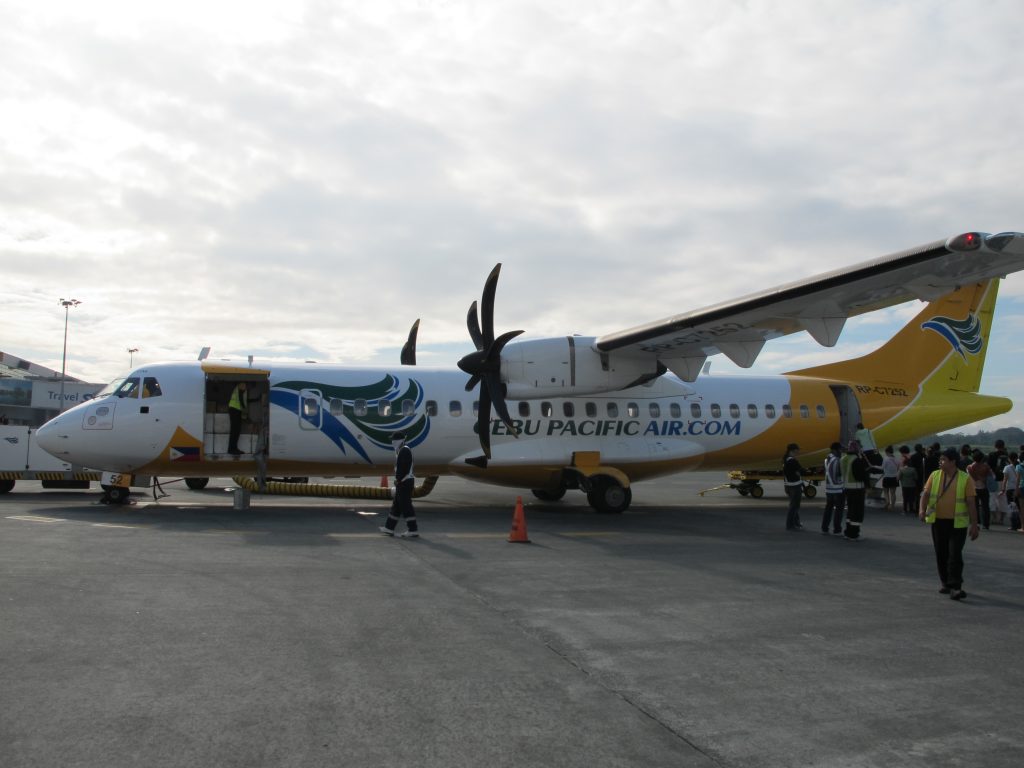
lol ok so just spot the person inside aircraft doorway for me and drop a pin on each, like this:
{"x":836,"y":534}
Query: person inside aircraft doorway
{"x":238,"y":407}
{"x":401,"y":506}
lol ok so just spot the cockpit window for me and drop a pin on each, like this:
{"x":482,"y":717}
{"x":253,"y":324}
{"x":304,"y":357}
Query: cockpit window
{"x":151,"y":387}
{"x":129,"y":387}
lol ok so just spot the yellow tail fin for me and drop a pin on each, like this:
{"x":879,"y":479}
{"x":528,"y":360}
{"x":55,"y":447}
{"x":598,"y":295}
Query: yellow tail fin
{"x":943,"y":347}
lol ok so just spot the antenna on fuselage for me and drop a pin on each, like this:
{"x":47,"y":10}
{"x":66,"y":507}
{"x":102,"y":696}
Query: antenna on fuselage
{"x":204,"y":353}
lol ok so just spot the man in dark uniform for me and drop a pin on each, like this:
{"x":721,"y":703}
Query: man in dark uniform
{"x":401,"y":506}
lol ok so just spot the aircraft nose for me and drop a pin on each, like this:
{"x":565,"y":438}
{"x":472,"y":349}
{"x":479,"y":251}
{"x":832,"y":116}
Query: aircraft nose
{"x":54,"y":437}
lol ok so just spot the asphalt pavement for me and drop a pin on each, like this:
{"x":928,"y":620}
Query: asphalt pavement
{"x":689,"y":631}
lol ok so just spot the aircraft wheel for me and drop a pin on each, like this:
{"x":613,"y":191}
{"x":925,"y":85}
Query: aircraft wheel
{"x":197,"y":483}
{"x":743,"y":490}
{"x":810,"y":491}
{"x":608,"y":497}
{"x":6,"y":486}
{"x":546,"y":495}
{"x":756,"y":491}
{"x":115,"y":494}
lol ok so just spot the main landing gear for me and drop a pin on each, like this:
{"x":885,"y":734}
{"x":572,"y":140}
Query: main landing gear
{"x":605,"y":494}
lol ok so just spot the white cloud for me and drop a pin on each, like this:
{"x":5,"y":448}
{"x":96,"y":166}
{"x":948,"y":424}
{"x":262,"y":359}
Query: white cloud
{"x":310,"y":177}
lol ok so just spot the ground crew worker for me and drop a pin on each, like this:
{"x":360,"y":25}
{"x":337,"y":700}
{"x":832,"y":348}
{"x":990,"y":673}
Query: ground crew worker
{"x":401,"y":506}
{"x":947,"y":503}
{"x":792,"y":472}
{"x":855,"y":479}
{"x":237,"y":405}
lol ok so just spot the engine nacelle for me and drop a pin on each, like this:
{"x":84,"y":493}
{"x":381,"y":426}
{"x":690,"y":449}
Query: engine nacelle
{"x":567,"y":366}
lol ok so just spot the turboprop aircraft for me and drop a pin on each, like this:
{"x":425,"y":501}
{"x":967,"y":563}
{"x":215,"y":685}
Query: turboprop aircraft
{"x":590,"y":413}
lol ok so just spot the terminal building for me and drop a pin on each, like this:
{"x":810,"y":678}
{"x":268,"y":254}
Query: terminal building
{"x":30,"y":394}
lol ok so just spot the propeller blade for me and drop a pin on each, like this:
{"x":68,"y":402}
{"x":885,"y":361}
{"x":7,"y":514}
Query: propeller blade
{"x":494,"y":352}
{"x":473,"y":381}
{"x":487,"y":304}
{"x":409,"y":350}
{"x":496,"y":389}
{"x":474,"y":327}
{"x":483,"y":420}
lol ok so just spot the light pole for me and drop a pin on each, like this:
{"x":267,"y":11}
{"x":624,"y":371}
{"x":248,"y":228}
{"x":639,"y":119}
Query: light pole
{"x":131,"y":356}
{"x":67,"y":304}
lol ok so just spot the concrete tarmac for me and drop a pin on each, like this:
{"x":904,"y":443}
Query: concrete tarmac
{"x":690,"y":631}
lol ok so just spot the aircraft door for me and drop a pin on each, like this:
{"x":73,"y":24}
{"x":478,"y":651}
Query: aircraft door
{"x":849,"y":411}
{"x":254,"y":421}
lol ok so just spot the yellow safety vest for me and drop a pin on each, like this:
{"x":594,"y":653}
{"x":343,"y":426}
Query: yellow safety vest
{"x":961,"y":517}
{"x":237,"y":396}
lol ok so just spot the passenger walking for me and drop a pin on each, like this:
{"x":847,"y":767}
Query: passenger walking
{"x":855,"y":480}
{"x":947,"y":504}
{"x":984,"y":480}
{"x":793,"y":475}
{"x":405,"y":481}
{"x":890,"y":477}
{"x":834,"y":497}
{"x":908,"y":483}
{"x":1007,"y":490}
{"x":866,"y":440}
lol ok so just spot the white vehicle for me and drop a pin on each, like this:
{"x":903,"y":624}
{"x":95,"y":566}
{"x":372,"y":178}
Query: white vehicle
{"x":21,"y":458}
{"x":590,"y":413}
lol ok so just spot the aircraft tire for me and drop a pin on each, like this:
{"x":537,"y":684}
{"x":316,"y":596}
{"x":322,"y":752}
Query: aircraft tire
{"x":6,"y":486}
{"x":756,"y":491}
{"x":196,"y":483}
{"x":810,"y":491}
{"x":115,"y":494}
{"x":545,"y":495}
{"x":608,"y":497}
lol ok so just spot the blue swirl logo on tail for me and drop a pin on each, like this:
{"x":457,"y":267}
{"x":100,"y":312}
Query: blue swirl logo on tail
{"x":963,"y":335}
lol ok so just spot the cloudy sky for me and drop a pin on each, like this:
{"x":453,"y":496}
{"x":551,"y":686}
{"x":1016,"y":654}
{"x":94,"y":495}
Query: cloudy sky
{"x":303,"y":180}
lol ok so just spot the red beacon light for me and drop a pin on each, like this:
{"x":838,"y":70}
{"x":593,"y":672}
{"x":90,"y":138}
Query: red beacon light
{"x":969,"y":241}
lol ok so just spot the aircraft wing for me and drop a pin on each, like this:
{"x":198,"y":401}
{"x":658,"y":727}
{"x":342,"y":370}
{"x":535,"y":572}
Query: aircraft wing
{"x":819,"y":305}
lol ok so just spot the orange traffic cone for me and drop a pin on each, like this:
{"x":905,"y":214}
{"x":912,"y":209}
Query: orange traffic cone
{"x":383,"y":481}
{"x":518,"y":533}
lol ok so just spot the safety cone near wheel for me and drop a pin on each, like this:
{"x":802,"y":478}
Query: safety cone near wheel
{"x":518,"y":533}
{"x":383,"y":481}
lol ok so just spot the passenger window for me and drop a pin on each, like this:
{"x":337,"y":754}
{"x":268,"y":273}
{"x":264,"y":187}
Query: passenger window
{"x":568,"y":410}
{"x":591,"y":409}
{"x":752,"y":410}
{"x":524,"y":409}
{"x":431,"y":407}
{"x":384,"y":408}
{"x":476,"y":408}
{"x":695,"y":410}
{"x":613,"y":410}
{"x":787,"y":411}
{"x":675,"y":411}
{"x":546,"y":410}
{"x":734,"y":410}
{"x":151,"y":387}
{"x":128,"y":388}
{"x":716,"y":411}
{"x":359,"y":408}
{"x":310,"y":408}
{"x":821,"y":411}
{"x":408,"y":407}
{"x":455,"y":408}
{"x":337,"y":406}
{"x":805,"y":412}
{"x":632,"y":410}
{"x":769,"y":411}
{"x":655,"y":410}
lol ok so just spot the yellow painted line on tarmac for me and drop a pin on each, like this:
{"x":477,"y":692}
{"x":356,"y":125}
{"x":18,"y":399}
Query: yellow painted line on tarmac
{"x":37,"y":519}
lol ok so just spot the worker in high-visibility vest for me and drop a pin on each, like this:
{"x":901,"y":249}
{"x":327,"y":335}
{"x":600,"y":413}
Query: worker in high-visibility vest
{"x":237,"y":405}
{"x":947,"y":504}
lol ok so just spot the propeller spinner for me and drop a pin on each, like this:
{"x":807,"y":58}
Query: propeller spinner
{"x":484,"y":365}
